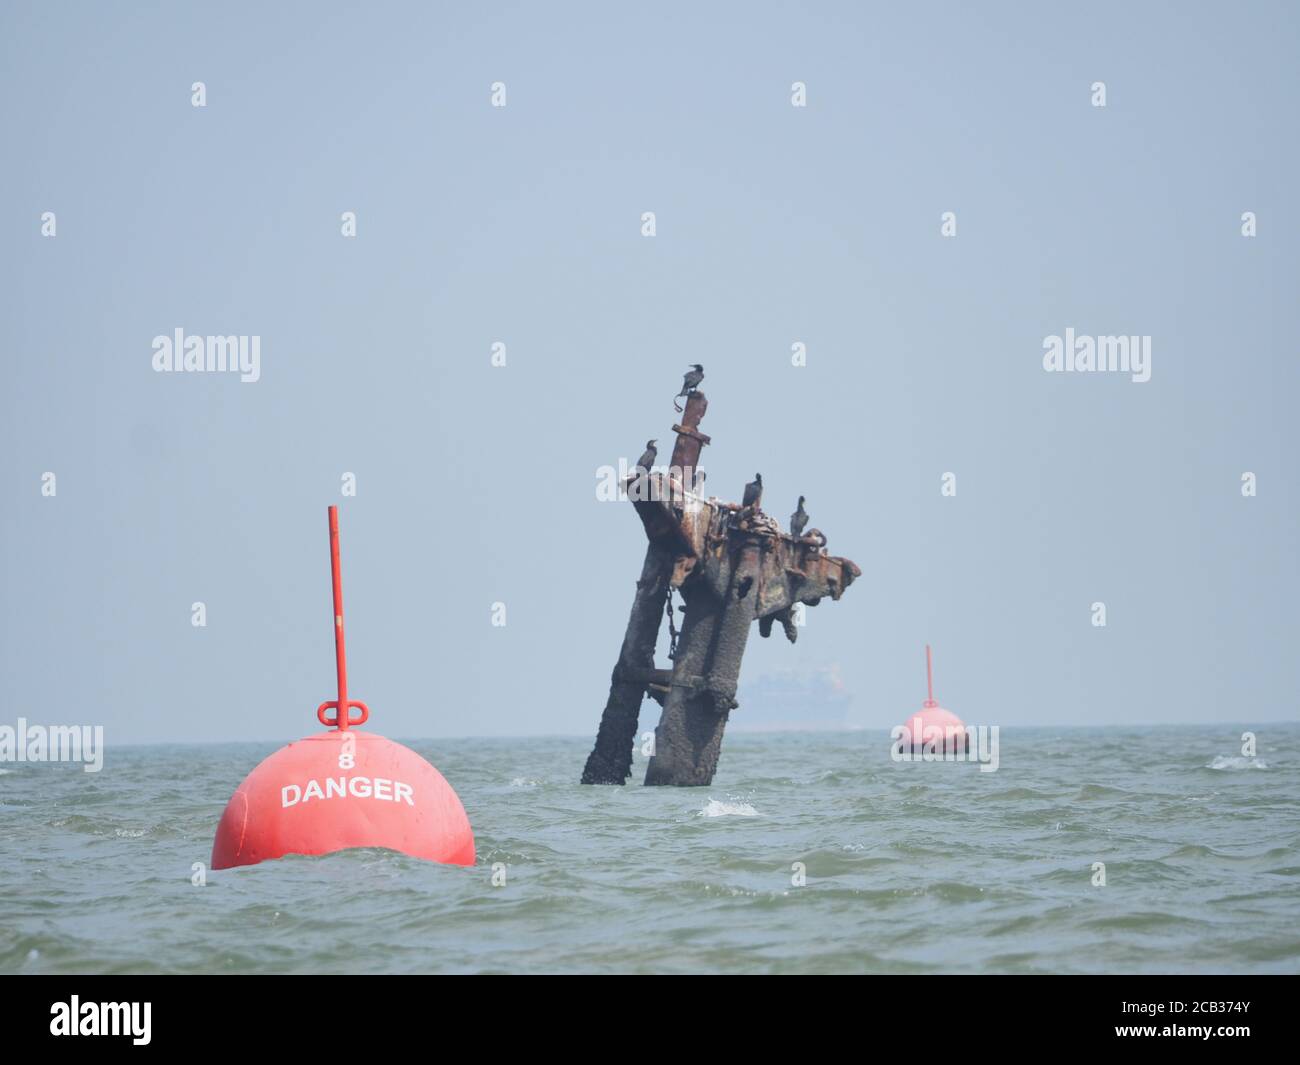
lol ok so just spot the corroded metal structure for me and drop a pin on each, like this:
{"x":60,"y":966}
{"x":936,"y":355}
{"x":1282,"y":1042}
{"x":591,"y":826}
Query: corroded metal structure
{"x":733,"y":565}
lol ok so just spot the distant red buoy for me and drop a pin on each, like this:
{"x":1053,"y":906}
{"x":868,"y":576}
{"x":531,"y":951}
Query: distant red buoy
{"x":932,"y":724}
{"x":342,"y":788}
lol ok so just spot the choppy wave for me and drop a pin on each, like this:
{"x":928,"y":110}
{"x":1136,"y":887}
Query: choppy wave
{"x":718,"y":808}
{"x":1232,"y":762}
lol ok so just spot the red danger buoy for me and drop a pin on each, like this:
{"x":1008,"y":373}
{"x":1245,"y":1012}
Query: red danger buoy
{"x":932,"y":724}
{"x":342,"y":788}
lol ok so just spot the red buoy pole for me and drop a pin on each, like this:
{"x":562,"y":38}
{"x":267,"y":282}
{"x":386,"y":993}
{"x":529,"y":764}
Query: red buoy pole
{"x":340,"y":653}
{"x":342,"y":707}
{"x":929,"y":676}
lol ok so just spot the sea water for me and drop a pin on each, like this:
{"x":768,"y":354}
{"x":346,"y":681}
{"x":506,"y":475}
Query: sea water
{"x":1088,"y":850}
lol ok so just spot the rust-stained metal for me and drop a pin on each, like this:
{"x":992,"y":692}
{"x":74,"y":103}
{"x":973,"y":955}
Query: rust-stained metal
{"x":733,"y":566}
{"x":690,"y":441}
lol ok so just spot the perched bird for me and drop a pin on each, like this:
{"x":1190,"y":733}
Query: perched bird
{"x":753,"y":491}
{"x":648,"y":459}
{"x":690,"y":382}
{"x":798,"y":520}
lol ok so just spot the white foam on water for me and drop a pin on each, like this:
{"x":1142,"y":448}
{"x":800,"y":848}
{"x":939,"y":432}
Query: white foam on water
{"x":524,"y":782}
{"x":1236,"y":761}
{"x":716,"y":808}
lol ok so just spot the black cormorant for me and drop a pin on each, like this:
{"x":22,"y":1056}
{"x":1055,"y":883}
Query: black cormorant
{"x":646,"y":461}
{"x":798,"y":520}
{"x":753,"y":491}
{"x":690,"y":382}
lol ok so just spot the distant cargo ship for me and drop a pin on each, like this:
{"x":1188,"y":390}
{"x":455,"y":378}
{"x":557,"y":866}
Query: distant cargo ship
{"x":790,"y":700}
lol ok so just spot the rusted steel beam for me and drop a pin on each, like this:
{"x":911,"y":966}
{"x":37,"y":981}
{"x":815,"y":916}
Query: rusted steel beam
{"x":688,"y":740}
{"x":690,"y":441}
{"x":733,"y":565}
{"x":746,"y":569}
{"x":610,"y":761}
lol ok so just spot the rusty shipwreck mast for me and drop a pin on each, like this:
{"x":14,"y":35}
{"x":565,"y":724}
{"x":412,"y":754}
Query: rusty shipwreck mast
{"x":732,"y":565}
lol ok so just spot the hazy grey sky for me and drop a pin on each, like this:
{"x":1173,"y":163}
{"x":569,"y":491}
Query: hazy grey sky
{"x":522,"y":224}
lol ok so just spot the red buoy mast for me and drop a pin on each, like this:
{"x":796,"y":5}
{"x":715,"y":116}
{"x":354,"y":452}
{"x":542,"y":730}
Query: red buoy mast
{"x":342,"y":706}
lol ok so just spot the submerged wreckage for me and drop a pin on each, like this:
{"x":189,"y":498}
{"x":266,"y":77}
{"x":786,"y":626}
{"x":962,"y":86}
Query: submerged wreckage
{"x":732,"y":564}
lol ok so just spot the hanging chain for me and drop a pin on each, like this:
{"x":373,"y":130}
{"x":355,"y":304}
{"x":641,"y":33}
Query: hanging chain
{"x":672,"y":628}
